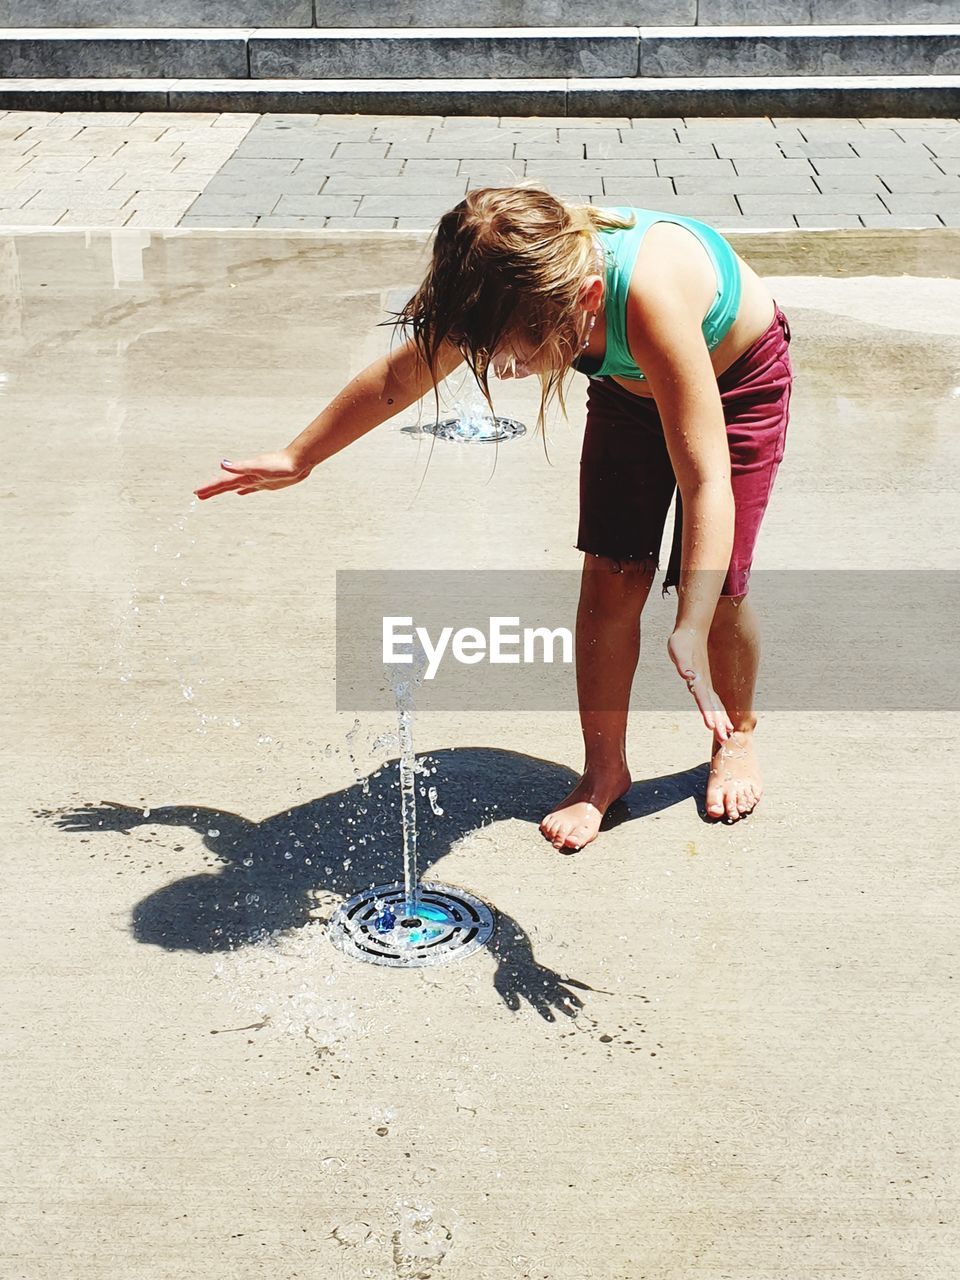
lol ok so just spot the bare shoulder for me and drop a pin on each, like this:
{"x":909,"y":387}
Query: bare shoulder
{"x":673,"y":273}
{"x":666,"y":302}
{"x":672,"y":289}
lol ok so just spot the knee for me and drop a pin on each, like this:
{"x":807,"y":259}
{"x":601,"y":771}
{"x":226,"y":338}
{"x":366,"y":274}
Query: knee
{"x":608,"y":580}
{"x":729,"y":614}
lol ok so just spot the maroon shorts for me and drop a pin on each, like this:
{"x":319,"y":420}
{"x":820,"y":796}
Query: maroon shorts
{"x":627,"y":481}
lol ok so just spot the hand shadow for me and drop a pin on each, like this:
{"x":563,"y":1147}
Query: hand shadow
{"x":348,"y":841}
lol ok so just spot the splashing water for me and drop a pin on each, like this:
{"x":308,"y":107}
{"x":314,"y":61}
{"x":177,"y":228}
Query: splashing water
{"x":386,"y":919}
{"x":473,"y":415}
{"x":403,"y":688}
{"x":408,"y":797}
{"x":473,"y":421}
{"x":287,"y":979}
{"x":410,"y":924}
{"x":362,"y":781}
{"x":431,"y":920}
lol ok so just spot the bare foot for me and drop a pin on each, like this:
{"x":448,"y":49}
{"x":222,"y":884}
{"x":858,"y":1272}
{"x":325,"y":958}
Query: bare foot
{"x":577,"y":820}
{"x":734,"y":785}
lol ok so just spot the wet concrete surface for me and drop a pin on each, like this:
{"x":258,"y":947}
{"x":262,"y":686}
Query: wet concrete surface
{"x":678,"y":1060}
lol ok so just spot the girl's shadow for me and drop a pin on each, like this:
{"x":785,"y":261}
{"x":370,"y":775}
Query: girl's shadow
{"x":349,"y":840}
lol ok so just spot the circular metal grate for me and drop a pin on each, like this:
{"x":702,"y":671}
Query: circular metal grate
{"x":476,"y":430}
{"x":373,"y":926}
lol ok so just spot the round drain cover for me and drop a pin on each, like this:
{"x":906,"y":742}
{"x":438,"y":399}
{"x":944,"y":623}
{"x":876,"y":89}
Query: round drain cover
{"x":476,"y":430}
{"x":375,"y":927}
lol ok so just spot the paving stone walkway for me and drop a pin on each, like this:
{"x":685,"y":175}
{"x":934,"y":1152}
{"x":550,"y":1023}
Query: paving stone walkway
{"x":159,"y":170}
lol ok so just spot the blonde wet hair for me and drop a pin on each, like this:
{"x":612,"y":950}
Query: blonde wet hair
{"x":508,"y":262}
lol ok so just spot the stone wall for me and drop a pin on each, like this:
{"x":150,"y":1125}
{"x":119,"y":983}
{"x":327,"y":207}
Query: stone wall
{"x":453,"y":13}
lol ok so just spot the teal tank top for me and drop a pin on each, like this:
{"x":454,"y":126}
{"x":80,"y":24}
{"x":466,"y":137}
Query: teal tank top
{"x":621,"y":248}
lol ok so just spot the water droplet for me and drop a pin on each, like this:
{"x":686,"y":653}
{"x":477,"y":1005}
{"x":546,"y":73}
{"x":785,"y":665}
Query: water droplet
{"x":351,"y":1234}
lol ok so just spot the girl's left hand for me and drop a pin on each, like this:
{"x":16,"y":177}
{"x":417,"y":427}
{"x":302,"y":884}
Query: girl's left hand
{"x":688,"y":652}
{"x":268,"y":471}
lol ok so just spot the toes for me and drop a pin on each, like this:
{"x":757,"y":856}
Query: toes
{"x":559,"y":834}
{"x":729,"y":796}
{"x":714,"y":800}
{"x":753,"y":790}
{"x":731,"y":800}
{"x":571,"y":836}
{"x":567,"y":836}
{"x":570,"y":828}
{"x":578,"y":837}
{"x":733,"y":811}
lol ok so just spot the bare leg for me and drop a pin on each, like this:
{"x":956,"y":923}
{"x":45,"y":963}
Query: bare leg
{"x":608,"y":646}
{"x":735,"y":785}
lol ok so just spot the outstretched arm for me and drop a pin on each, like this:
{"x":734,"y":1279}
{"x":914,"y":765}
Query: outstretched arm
{"x":385,"y":388}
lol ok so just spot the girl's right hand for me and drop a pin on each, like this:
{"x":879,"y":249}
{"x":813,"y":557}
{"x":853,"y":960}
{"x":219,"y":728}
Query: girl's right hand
{"x":268,"y":471}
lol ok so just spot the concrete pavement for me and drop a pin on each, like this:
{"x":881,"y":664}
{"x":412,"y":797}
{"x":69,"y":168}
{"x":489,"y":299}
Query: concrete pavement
{"x":761,"y":1080}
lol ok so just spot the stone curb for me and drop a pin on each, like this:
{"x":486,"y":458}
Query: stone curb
{"x":902,"y":96}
